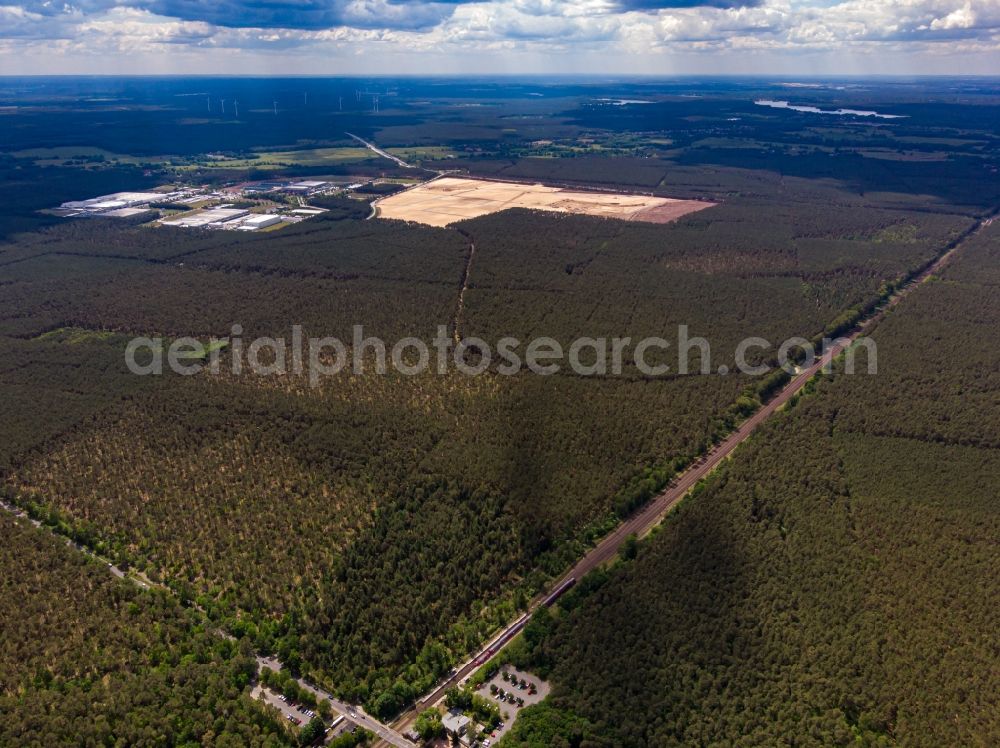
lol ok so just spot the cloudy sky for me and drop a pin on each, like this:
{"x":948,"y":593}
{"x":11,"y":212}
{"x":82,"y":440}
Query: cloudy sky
{"x":369,"y":37}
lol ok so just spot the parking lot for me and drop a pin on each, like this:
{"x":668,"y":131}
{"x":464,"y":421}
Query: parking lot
{"x":532,"y":692}
{"x":296,"y":714}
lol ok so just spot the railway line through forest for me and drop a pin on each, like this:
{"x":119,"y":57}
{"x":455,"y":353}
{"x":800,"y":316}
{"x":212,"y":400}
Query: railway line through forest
{"x":644,"y":519}
{"x":639,"y":523}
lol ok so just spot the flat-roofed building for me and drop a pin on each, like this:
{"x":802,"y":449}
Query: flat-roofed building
{"x":115,"y":200}
{"x":208,"y":217}
{"x":260,"y":221}
{"x":456,"y":723}
{"x":308,"y":186}
{"x":126,"y":212}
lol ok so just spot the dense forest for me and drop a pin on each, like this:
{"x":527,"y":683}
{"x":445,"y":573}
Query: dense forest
{"x":448,"y":499}
{"x":779,"y":271}
{"x":87,"y":659}
{"x":374,"y":529}
{"x":834,"y":584}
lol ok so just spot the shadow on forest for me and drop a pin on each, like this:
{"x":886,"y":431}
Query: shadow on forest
{"x":677,"y":610}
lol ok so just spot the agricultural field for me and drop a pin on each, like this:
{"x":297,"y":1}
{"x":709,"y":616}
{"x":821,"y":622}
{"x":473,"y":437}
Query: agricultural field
{"x":89,"y":157}
{"x":445,"y":201}
{"x":859,"y":527}
{"x":419,"y":154}
{"x":298,"y":157}
{"x":83,"y":156}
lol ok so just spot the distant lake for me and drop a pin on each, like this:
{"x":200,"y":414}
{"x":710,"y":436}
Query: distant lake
{"x":623,"y":102}
{"x":816,"y":110}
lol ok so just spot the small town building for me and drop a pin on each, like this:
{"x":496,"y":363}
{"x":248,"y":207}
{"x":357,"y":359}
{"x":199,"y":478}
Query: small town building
{"x":456,"y":723}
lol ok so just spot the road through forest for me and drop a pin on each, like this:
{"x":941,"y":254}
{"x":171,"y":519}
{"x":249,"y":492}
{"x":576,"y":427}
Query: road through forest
{"x":639,"y":523}
{"x":651,"y":514}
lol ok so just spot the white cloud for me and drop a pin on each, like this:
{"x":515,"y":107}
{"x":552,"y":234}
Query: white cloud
{"x":962,"y":18}
{"x":532,"y":30}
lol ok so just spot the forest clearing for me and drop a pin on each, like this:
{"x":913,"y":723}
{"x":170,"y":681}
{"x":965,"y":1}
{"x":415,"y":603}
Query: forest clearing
{"x":444,"y":201}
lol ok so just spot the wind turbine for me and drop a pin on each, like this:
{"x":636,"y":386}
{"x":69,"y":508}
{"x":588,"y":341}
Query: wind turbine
{"x":208,"y":100}
{"x":275,"y":108}
{"x":223,"y":102}
{"x":305,"y":98}
{"x":236,"y":104}
{"x":340,"y":101}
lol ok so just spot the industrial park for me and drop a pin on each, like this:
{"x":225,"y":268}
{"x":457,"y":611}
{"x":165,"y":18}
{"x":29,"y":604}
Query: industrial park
{"x":248,"y":206}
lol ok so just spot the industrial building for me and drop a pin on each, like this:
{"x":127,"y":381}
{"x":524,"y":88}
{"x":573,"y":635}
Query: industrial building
{"x":211,"y":218}
{"x":111,"y":205}
{"x":221,"y":216}
{"x":263,"y":187}
{"x":124,"y":212}
{"x":259,"y":221}
{"x":306,"y":188}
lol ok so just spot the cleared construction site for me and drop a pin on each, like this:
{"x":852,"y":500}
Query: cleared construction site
{"x":444,"y":201}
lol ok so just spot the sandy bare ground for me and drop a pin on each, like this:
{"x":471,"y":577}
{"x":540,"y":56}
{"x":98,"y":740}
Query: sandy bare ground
{"x":444,"y":201}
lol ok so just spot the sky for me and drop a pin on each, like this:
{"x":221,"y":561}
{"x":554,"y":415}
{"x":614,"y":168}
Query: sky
{"x":417,"y":37}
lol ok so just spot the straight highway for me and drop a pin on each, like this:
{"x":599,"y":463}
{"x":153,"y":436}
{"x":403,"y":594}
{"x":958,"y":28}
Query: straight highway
{"x":374,"y":148}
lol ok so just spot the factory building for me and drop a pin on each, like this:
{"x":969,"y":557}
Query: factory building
{"x":259,"y":221}
{"x":211,"y":218}
{"x":105,"y":204}
{"x":306,"y":188}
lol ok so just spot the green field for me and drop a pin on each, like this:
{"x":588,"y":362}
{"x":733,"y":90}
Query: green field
{"x":305,"y":157}
{"x":422,"y":153}
{"x":88,"y":156}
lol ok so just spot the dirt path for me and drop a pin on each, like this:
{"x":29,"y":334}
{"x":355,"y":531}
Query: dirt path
{"x":460,"y":307}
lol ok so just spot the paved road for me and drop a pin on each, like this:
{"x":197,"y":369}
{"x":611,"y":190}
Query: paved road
{"x":18,"y":512}
{"x":349,"y":711}
{"x":639,"y":523}
{"x":380,"y":152}
{"x":650,"y":515}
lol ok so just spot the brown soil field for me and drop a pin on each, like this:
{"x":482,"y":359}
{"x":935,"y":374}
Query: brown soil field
{"x":444,"y":201}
